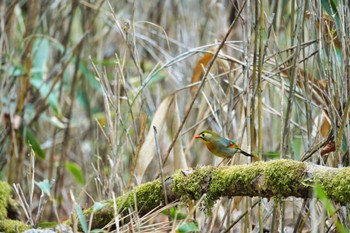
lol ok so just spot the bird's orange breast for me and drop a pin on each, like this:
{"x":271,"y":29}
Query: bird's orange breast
{"x":210,"y":146}
{"x":213,"y":149}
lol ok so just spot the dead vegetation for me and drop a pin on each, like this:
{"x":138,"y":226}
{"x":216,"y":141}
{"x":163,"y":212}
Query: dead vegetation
{"x":87,"y":87}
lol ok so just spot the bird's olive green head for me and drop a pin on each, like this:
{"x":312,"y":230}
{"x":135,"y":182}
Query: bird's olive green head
{"x":207,"y":135}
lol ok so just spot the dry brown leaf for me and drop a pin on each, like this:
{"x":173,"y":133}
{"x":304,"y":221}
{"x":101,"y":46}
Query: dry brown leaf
{"x":148,"y":148}
{"x":179,"y":155}
{"x":325,"y":127}
{"x":143,"y":125}
{"x":329,"y":147}
{"x":198,"y":69}
{"x":323,"y":84}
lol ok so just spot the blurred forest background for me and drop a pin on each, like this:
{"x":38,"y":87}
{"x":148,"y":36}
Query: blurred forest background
{"x":84,"y":82}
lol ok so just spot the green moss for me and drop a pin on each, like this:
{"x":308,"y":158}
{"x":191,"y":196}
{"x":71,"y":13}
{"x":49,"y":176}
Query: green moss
{"x":101,"y":217}
{"x":226,"y":179}
{"x":8,"y":225}
{"x":342,"y":182}
{"x":12,"y":226}
{"x":336,"y":184}
{"x":278,"y":178}
{"x":282,"y":176}
{"x":147,"y":197}
{"x":192,"y":186}
{"x":5,"y":191}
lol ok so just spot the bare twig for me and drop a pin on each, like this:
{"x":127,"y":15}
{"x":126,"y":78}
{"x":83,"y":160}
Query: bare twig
{"x":205,"y":76}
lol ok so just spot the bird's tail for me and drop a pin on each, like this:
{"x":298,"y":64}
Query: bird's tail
{"x":246,"y":153}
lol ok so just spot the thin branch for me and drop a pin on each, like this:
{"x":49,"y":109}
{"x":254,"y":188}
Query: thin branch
{"x":205,"y":77}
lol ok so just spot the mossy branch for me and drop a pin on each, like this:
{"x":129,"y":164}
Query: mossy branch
{"x":278,"y":178}
{"x":9,"y":213}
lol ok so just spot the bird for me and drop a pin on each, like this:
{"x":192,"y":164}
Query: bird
{"x":219,"y":146}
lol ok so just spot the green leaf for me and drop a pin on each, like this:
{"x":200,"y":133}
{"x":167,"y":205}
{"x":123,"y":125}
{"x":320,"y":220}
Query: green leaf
{"x":44,"y":186}
{"x":47,"y":224}
{"x":31,"y":140}
{"x":81,"y":218}
{"x":330,"y":7}
{"x":272,"y":154}
{"x":188,"y":227}
{"x":341,"y":228}
{"x":76,"y":171}
{"x":90,"y":77}
{"x":16,"y":70}
{"x":44,"y":88}
{"x":41,"y":53}
{"x":322,"y":196}
{"x":175,"y":214}
{"x":39,"y":70}
{"x":98,"y":206}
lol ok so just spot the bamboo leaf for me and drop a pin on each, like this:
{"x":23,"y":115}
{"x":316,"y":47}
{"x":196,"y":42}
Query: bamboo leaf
{"x":81,"y":218}
{"x":90,"y":77}
{"x":76,"y":171}
{"x":33,"y":142}
{"x":175,"y":214}
{"x":44,"y":186}
{"x":330,"y":7}
{"x":188,"y":227}
{"x":39,"y":73}
{"x":322,"y":196}
{"x":98,"y":206}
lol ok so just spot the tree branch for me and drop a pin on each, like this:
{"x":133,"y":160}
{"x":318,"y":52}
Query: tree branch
{"x":278,"y":178}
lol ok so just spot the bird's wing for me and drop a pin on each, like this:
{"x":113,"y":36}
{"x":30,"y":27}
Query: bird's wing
{"x":223,"y":143}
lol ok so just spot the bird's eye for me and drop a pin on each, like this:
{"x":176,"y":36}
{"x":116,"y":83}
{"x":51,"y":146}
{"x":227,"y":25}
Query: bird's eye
{"x":202,"y":135}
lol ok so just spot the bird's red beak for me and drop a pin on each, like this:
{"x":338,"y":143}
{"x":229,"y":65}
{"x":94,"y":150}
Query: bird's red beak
{"x":197,"y":136}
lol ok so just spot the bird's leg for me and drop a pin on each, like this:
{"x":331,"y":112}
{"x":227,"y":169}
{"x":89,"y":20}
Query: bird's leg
{"x":229,"y":162}
{"x":221,"y":162}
